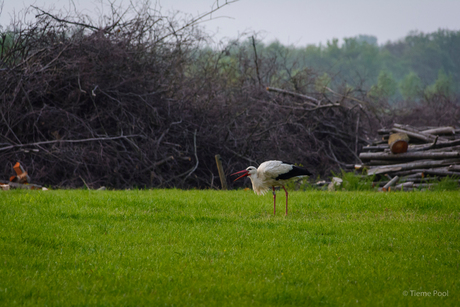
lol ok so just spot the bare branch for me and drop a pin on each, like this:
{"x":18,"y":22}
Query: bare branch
{"x":70,"y":141}
{"x":64,"y":20}
{"x":308,"y":98}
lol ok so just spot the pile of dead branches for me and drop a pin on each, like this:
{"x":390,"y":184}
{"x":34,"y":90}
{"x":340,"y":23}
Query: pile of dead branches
{"x":432,"y":154}
{"x":84,"y":103}
{"x":140,"y":103}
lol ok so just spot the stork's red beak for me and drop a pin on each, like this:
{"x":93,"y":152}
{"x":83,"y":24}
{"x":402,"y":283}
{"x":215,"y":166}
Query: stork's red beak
{"x":244,"y":172}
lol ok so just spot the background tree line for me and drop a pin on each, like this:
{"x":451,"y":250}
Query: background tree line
{"x":412,"y":68}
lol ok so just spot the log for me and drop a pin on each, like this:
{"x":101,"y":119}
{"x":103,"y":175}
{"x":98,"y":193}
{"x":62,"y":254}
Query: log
{"x":446,"y":149}
{"x":441,"y":173}
{"x":424,"y":180}
{"x":406,"y":127}
{"x":420,"y":178}
{"x":409,"y":165}
{"x":440,"y":130}
{"x":383,"y":170}
{"x":398,"y":142}
{"x":409,"y":155}
{"x":428,"y":147}
{"x":449,"y":137}
{"x":416,"y":131}
{"x":376,"y":147}
{"x":454,"y":168}
{"x":419,"y":171}
{"x":445,"y":144}
{"x":427,"y":138}
{"x":408,"y":184}
{"x":427,"y":130}
{"x":412,"y":176}
{"x":383,"y":162}
{"x":390,"y":183}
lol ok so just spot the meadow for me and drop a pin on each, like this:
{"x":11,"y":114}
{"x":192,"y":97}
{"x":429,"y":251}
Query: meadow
{"x":225,"y":248}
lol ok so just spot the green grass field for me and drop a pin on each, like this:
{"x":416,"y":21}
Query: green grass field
{"x":216,"y":248}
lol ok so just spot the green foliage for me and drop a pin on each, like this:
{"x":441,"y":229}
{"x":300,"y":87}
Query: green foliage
{"x":411,"y":86}
{"x":447,"y":184}
{"x":369,"y":39}
{"x":395,"y":70}
{"x":333,"y":50}
{"x":428,"y":53}
{"x":222,"y":248}
{"x":354,"y":182}
{"x":6,"y":42}
{"x":322,"y":82}
{"x":442,"y":86}
{"x":386,"y":86}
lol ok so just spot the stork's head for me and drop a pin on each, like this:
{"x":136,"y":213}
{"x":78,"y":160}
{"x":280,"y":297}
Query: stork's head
{"x":251,"y":170}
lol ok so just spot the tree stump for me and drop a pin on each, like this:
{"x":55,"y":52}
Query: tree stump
{"x":399,"y":142}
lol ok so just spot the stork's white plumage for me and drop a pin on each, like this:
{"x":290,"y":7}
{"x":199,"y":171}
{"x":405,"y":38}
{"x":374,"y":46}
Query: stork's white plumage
{"x":272,"y":174}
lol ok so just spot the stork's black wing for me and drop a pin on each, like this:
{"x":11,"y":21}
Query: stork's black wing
{"x":294,"y":172}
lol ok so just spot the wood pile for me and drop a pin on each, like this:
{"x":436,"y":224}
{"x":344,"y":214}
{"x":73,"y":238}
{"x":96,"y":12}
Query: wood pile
{"x":407,"y":157}
{"x":19,"y":181}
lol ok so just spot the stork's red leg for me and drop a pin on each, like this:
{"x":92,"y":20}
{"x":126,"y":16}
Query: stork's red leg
{"x":274,"y":201}
{"x":286,"y":199}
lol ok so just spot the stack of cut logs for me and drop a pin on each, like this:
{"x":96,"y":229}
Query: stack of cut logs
{"x":408,"y":158}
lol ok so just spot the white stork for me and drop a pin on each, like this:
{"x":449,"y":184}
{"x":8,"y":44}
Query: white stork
{"x":272,"y":174}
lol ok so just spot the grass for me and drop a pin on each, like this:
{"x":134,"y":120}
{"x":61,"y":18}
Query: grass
{"x":354,"y":182}
{"x":216,"y":248}
{"x":447,"y":184}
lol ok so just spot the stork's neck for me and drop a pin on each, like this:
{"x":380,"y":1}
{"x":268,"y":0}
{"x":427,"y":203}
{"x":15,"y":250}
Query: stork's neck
{"x":257,"y":184}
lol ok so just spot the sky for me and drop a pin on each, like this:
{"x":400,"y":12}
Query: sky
{"x":291,"y":22}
